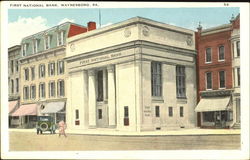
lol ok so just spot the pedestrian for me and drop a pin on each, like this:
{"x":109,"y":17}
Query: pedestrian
{"x":62,"y":126}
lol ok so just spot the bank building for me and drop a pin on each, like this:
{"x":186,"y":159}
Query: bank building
{"x":136,"y":75}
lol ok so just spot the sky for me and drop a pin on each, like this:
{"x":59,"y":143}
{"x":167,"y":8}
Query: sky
{"x":25,"y":22}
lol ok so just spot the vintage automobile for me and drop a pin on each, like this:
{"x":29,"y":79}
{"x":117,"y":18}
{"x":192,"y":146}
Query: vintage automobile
{"x":45,"y":123}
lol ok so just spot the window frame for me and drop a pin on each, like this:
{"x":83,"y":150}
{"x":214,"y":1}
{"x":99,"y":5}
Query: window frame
{"x":237,"y":48}
{"x":157,"y":111}
{"x":40,"y":71}
{"x":50,"y":68}
{"x":207,"y":80}
{"x":25,"y":92}
{"x":170,"y":111}
{"x":35,"y":46}
{"x":180,"y":77}
{"x":219,"y":53}
{"x":156,"y":79}
{"x":26,"y":74}
{"x":220,"y":79}
{"x":32,"y":93}
{"x":51,"y":89}
{"x":24,"y":49}
{"x":40,"y":90}
{"x":59,"y":67}
{"x":17,"y":85}
{"x":181,"y":111}
{"x":33,"y":72}
{"x":207,"y":62}
{"x":61,"y":35}
{"x":17,"y":65}
{"x":12,"y":86}
{"x":47,"y":42}
{"x":238,"y":76}
{"x":59,"y":88}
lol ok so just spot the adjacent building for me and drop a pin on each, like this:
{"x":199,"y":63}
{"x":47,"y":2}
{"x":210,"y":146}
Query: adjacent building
{"x":43,"y":73}
{"x":13,"y":80}
{"x":135,"y":75}
{"x":216,"y":63}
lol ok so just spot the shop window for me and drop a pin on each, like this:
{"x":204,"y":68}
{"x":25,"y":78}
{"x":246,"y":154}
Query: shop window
{"x":17,"y":85}
{"x":156,"y":79}
{"x":209,"y":80}
{"x":32,"y":73}
{"x":26,"y":92}
{"x":221,"y":53}
{"x":60,"y":67}
{"x":99,"y":113}
{"x":126,"y":116}
{"x":33,"y":92}
{"x":51,"y":69}
{"x":100,"y":86}
{"x":60,"y":88}
{"x":170,"y":111}
{"x":238,"y":48}
{"x":42,"y":90}
{"x":222,"y":79}
{"x":52,"y":89}
{"x":180,"y":82}
{"x":181,"y":111}
{"x":208,"y":116}
{"x":41,"y":70}
{"x":157,"y":111}
{"x":208,"y":55}
{"x":26,"y":74}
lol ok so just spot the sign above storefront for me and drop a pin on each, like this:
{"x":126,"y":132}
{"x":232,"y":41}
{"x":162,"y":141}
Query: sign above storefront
{"x":100,"y":58}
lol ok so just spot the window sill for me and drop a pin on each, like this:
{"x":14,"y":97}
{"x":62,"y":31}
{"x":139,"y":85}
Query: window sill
{"x":208,"y":62}
{"x":222,"y":60}
{"x":157,"y":100}
{"x":181,"y":99}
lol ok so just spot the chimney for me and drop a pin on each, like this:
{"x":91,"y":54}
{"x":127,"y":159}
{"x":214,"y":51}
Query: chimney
{"x":91,"y":26}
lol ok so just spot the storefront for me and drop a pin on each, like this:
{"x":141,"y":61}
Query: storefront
{"x":136,"y":75}
{"x":26,"y":115}
{"x":13,"y":106}
{"x":216,"y":111}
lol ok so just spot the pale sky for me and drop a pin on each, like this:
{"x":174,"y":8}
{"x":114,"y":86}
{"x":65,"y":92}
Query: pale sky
{"x":25,"y":22}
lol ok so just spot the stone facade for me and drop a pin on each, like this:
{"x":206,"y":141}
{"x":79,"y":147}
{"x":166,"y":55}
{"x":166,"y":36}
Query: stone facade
{"x":110,"y":77}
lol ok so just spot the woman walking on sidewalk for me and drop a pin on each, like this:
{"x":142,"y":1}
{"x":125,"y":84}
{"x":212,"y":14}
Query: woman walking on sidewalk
{"x":62,"y":126}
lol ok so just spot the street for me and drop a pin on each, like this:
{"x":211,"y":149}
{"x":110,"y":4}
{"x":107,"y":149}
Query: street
{"x":30,"y":141}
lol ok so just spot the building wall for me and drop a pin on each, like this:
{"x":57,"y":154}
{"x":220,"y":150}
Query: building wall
{"x":214,"y":41}
{"x":13,"y":55}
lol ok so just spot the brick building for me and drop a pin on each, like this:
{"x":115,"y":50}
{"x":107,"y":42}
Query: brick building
{"x":215,"y":77}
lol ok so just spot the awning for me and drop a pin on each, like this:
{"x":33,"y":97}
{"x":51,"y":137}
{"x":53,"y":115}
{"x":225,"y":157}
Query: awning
{"x":27,"y":109}
{"x":12,"y":106}
{"x":53,"y":107}
{"x":213,"y":104}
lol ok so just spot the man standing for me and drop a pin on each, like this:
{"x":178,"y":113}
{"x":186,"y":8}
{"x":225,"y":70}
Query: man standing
{"x":62,"y":126}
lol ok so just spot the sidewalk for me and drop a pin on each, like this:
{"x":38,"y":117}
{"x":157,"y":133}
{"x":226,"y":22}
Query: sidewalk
{"x":113,"y":132}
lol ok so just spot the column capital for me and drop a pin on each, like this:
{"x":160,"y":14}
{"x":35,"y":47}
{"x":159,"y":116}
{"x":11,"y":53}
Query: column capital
{"x":111,"y":68}
{"x":91,"y":72}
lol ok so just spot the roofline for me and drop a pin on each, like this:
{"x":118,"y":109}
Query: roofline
{"x":52,"y":29}
{"x":131,"y":21}
{"x":220,"y":28}
{"x":14,"y":47}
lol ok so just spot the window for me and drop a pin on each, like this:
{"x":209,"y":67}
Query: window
{"x":47,"y":42}
{"x":35,"y":45}
{"x":16,"y":65}
{"x":180,"y":82}
{"x":33,"y":92}
{"x":24,"y":49}
{"x":126,"y":116}
{"x":99,"y":113}
{"x":238,"y":76}
{"x":12,"y":86}
{"x":170,"y":111}
{"x":238,"y":48}
{"x":209,"y":80}
{"x":42,"y":70}
{"x":60,"y":67}
{"x":208,"y":116}
{"x":181,"y":111}
{"x":26,"y":74}
{"x":221,"y":53}
{"x":100,"y":86}
{"x":60,"y":88}
{"x":26,"y":92}
{"x":17,"y":85}
{"x":51,"y":69}
{"x":12,"y":66}
{"x":157,"y":111}
{"x":156,"y":79}
{"x":222,"y":79}
{"x":77,"y":114}
{"x":52,"y":89}
{"x":42,"y":90}
{"x":208,"y":55}
{"x":60,"y":37}
{"x":32,"y":73}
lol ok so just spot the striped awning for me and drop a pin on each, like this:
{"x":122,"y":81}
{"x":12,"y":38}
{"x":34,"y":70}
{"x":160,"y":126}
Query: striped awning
{"x":25,"y":110}
{"x":12,"y":106}
{"x":213,"y":104}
